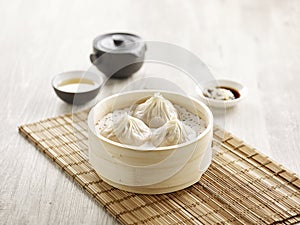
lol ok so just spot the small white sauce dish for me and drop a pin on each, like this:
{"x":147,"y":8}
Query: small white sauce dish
{"x":222,"y":83}
{"x":77,"y":87}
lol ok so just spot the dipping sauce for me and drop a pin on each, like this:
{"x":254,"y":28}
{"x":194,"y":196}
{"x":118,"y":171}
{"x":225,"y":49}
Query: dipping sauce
{"x":76,"y":85}
{"x":221,"y":93}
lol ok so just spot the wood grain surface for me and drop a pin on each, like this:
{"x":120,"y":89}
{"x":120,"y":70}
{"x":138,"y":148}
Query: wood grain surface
{"x":255,"y":42}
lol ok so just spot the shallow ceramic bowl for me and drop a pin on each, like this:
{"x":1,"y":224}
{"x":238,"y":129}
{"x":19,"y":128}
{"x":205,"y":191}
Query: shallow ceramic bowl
{"x":222,"y":103}
{"x":156,"y":171}
{"x":78,"y":96}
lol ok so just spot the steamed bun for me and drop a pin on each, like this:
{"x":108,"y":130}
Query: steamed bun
{"x":156,"y":111}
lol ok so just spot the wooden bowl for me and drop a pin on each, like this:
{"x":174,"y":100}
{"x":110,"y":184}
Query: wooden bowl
{"x":162,"y":170}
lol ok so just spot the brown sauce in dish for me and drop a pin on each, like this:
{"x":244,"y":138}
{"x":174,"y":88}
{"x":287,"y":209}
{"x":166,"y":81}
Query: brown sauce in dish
{"x":233,"y":91}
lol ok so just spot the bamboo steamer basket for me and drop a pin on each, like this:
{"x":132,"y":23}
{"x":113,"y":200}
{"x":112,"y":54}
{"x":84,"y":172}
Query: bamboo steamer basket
{"x":155,"y":171}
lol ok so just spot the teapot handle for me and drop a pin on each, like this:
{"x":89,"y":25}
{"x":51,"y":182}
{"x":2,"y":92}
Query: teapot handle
{"x":93,"y":58}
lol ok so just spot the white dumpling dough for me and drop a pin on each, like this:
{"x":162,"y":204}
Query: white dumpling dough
{"x":172,"y":132}
{"x":127,"y":130}
{"x":156,"y":111}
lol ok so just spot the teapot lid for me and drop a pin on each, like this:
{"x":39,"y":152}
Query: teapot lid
{"x":119,"y":43}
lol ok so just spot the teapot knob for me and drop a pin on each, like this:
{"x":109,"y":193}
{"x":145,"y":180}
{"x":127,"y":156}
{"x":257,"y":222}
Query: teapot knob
{"x":117,"y":41}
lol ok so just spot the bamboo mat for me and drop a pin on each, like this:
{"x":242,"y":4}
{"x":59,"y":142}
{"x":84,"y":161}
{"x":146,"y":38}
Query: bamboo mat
{"x":241,"y":186}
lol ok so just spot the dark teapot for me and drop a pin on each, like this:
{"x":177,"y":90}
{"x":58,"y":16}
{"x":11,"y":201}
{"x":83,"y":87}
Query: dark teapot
{"x":118,"y":55}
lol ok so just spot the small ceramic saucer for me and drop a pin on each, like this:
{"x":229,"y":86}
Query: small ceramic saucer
{"x":239,"y":89}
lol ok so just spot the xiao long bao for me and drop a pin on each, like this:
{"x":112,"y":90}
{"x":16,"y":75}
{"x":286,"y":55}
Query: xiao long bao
{"x":156,"y":122}
{"x":156,"y":111}
{"x":126,"y":130}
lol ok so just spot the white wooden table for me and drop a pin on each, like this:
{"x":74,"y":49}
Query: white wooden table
{"x":255,"y":42}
